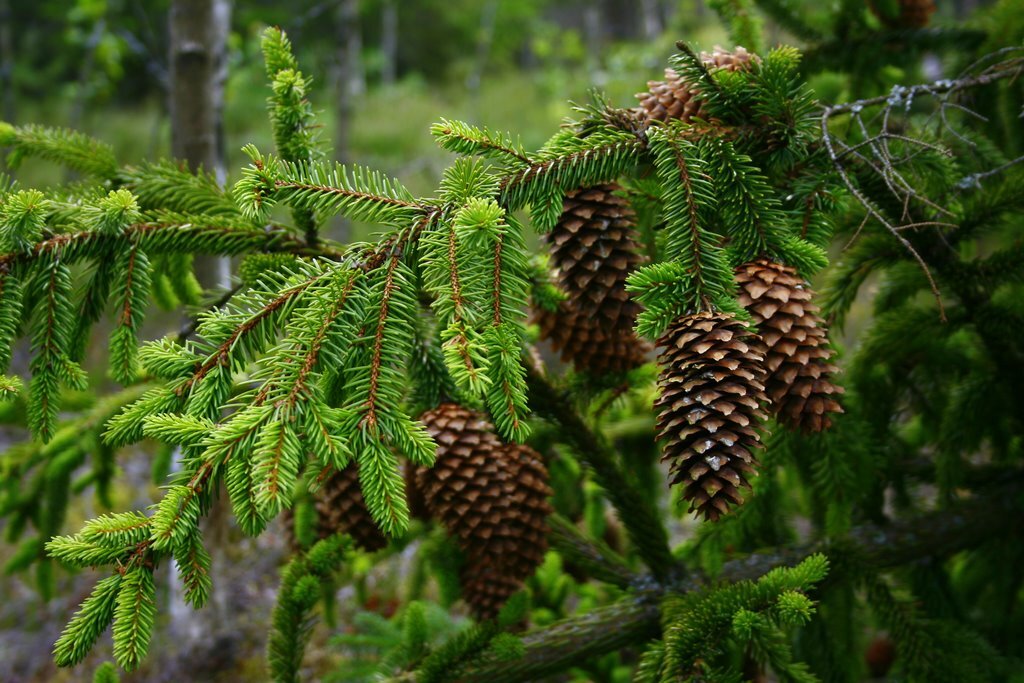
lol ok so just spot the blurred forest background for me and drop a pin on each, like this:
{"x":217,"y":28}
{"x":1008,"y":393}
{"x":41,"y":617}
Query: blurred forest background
{"x":384,"y":71}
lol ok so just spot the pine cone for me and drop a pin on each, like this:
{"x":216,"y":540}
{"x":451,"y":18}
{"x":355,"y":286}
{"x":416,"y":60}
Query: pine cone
{"x":912,"y":14}
{"x":594,"y":248}
{"x":492,"y":497}
{"x":712,"y":389}
{"x":799,"y":373}
{"x":676,"y":98}
{"x":340,"y":508}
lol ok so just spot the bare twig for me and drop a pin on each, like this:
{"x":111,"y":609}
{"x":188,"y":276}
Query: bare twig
{"x":873,"y":151}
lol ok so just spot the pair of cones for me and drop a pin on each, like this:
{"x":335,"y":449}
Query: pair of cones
{"x":594,"y":247}
{"x":492,"y":497}
{"x":717,"y":376}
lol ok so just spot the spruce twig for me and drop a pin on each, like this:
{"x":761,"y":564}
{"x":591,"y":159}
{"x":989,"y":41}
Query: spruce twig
{"x":641,"y":519}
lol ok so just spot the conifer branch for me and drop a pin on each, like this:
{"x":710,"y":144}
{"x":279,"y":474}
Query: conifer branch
{"x":369,"y":419}
{"x":158,"y":237}
{"x":462,"y":138}
{"x":220,"y":356}
{"x":594,"y":557}
{"x":641,"y":519}
{"x":635,"y":619}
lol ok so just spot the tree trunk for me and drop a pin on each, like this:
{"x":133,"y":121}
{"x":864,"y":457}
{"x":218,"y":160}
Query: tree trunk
{"x":6,"y":63}
{"x":349,"y":85}
{"x":488,"y":17}
{"x":349,"y":77}
{"x":389,"y":42}
{"x":198,"y":70}
{"x":592,"y":22}
{"x":198,"y":45}
{"x":650,"y":16}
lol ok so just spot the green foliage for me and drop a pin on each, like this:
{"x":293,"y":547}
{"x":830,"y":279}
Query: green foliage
{"x":297,"y":595}
{"x":105,"y":673}
{"x":69,"y":148}
{"x":698,"y":626}
{"x":324,"y":354}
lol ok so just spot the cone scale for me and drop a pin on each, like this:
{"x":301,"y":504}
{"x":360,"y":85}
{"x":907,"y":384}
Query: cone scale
{"x":677,"y":98}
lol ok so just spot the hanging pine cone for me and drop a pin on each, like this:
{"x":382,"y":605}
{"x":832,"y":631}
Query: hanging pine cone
{"x":712,"y":389}
{"x":912,"y":13}
{"x":676,"y":98}
{"x":492,"y":498}
{"x":799,"y":381}
{"x":594,"y":248}
{"x":340,"y":508}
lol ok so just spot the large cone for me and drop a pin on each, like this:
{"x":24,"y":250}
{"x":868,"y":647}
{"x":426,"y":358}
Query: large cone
{"x":712,"y":388}
{"x":676,"y":98}
{"x":492,"y":497}
{"x":594,"y":248}
{"x":799,"y":382}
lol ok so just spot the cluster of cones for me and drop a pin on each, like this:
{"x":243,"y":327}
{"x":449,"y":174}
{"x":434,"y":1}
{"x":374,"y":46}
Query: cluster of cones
{"x":718,"y":377}
{"x":717,"y":380}
{"x":490,"y":496}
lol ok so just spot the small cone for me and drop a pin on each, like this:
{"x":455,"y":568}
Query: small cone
{"x":492,"y":498}
{"x":711,"y":391}
{"x":340,"y":508}
{"x":676,"y":98}
{"x":912,"y":14}
{"x":799,"y":382}
{"x":594,"y":248}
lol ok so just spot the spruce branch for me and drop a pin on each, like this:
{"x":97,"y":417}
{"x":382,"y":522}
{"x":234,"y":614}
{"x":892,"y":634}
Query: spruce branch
{"x":869,"y":548}
{"x":171,"y":186}
{"x":595,"y":557}
{"x":158,"y":237}
{"x":463,"y":138}
{"x":75,"y":150}
{"x":568,"y":162}
{"x":639,"y":516}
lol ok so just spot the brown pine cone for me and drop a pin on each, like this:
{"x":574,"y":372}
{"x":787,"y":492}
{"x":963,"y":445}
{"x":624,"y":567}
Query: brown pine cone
{"x":492,"y":497}
{"x":711,"y":391}
{"x":912,"y":14}
{"x":340,"y":508}
{"x":799,"y":382}
{"x":676,"y":98}
{"x":594,"y":248}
